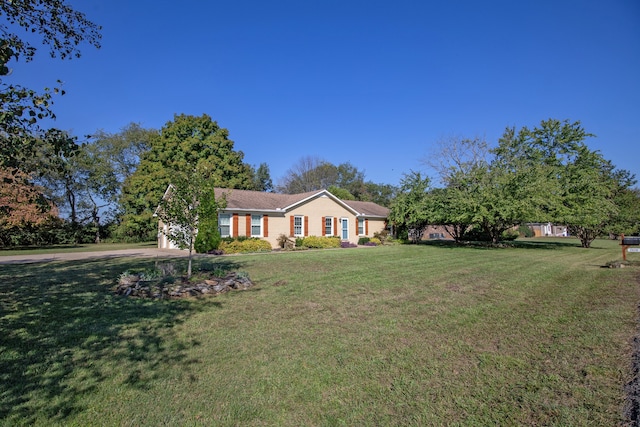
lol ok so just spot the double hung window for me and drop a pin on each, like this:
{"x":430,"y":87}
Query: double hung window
{"x":256,"y":225}
{"x":298,"y":226}
{"x":224,"y":225}
{"x":328,"y":226}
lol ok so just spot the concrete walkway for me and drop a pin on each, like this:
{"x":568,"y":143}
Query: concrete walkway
{"x":74,"y":256}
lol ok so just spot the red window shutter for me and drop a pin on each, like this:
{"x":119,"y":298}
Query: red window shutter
{"x":366,"y":227}
{"x":306,"y":225}
{"x":265,"y":220}
{"x":335,"y":226}
{"x":248,"y":224}
{"x":356,"y":221}
{"x":235,"y":225}
{"x":322,"y":226}
{"x":291,"y":219}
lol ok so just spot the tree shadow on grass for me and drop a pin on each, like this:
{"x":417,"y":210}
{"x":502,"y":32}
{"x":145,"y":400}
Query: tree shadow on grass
{"x":64,"y":332}
{"x":517,"y":244}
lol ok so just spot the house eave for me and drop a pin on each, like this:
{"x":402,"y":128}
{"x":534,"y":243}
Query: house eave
{"x":228,"y":209}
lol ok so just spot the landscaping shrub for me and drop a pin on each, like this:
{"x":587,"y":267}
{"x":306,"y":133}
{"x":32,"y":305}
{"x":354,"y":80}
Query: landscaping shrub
{"x":285,"y":242}
{"x":374,"y":241}
{"x":245,"y":245}
{"x":208,"y":238}
{"x":315,"y":242}
{"x":510,"y":235}
{"x":525,"y":231}
{"x":383,"y":236}
{"x":476,"y":234}
{"x":363,"y":240}
{"x":347,"y":244}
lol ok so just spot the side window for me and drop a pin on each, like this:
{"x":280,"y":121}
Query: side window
{"x":256,"y":225}
{"x":328,"y":226}
{"x":361,"y":231}
{"x":224,"y":225}
{"x":297,"y":226}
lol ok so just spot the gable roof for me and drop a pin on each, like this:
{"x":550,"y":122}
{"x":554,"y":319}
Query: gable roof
{"x":248,"y":200}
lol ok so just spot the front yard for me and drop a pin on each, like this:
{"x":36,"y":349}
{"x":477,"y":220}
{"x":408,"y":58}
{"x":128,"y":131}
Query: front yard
{"x":540,"y":334}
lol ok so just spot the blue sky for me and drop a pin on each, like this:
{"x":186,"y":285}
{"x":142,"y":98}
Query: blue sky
{"x":372,"y":83}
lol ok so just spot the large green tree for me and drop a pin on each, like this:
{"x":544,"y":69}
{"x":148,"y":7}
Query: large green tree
{"x":410,"y":212}
{"x":53,"y":23}
{"x":83,"y":185}
{"x":627,"y":219}
{"x":123,"y":149}
{"x":580,"y":186}
{"x":184,"y":144}
{"x":262,"y":178}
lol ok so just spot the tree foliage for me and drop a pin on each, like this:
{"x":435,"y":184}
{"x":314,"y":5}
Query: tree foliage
{"x":21,"y":202}
{"x":580,"y":186}
{"x":208,"y":237}
{"x":454,"y":155}
{"x":190,"y":199}
{"x":187,"y":143}
{"x":410,"y":211}
{"x":262,"y":178}
{"x":58,"y":26}
{"x":313,"y":173}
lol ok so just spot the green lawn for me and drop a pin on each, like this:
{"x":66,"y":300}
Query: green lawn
{"x":401,"y":335}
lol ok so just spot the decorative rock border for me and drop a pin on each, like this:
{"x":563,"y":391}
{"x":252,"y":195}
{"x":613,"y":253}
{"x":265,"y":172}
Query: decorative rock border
{"x":133,"y":285}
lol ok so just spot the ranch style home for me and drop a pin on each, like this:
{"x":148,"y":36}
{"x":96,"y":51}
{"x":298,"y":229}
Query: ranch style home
{"x":268,"y":215}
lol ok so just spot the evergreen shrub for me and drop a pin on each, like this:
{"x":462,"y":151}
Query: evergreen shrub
{"x":320,"y":242}
{"x":245,"y":245}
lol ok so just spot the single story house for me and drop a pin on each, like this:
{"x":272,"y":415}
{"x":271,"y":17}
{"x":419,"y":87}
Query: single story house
{"x":316,"y":213}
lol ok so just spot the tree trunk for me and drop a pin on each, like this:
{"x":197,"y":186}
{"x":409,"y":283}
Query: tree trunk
{"x":190,"y":256}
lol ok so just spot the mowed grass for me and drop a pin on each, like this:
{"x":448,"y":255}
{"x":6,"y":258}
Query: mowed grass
{"x":403,"y":335}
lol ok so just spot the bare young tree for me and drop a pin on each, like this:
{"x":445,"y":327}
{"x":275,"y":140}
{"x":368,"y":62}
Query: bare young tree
{"x":456,"y":154}
{"x":308,"y":174}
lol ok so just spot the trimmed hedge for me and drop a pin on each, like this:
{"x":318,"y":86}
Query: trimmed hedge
{"x":245,"y":245}
{"x":315,"y":242}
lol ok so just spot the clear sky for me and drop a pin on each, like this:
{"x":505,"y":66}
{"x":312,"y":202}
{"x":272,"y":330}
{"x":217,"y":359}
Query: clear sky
{"x":374,"y":83}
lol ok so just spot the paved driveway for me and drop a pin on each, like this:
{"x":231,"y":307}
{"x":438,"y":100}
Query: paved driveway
{"x":72,"y":256}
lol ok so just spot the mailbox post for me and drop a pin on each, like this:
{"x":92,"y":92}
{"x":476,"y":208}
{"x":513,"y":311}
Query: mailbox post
{"x":627,"y":242}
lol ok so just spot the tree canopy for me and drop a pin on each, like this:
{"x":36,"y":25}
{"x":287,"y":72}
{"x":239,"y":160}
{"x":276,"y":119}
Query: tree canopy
{"x":544,"y":174}
{"x":187,"y":143}
{"x":312,"y":173}
{"x":58,"y":26}
{"x":410,"y":211}
{"x":580,"y":186}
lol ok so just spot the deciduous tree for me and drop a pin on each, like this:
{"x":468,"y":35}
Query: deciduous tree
{"x":189,"y":200}
{"x":57,"y":25}
{"x":20,"y":201}
{"x":184,"y":144}
{"x":410,"y":210}
{"x":580,"y":186}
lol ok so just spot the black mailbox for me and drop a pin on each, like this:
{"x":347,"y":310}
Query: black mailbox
{"x":629,"y":241}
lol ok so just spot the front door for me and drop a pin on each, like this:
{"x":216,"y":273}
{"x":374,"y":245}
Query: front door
{"x":345,"y":228}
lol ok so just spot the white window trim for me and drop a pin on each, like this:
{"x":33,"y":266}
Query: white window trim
{"x":230,"y":224}
{"x":301,"y":217}
{"x":364,"y":227}
{"x":261,"y":225}
{"x":330,"y":218}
